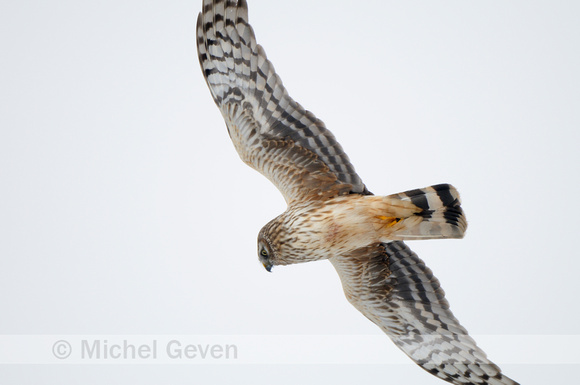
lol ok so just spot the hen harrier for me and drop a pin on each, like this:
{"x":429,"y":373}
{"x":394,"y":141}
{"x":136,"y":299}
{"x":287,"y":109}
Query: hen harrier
{"x":331,"y":214}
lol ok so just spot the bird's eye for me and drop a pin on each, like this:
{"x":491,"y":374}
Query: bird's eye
{"x":263,"y":253}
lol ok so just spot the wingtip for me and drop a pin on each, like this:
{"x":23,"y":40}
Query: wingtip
{"x":198,"y":24}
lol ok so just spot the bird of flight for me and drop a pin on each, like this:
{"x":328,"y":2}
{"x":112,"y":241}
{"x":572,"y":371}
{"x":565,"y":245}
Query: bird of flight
{"x":331,"y":214}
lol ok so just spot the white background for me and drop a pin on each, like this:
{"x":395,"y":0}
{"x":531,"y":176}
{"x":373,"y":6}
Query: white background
{"x":124,"y":208}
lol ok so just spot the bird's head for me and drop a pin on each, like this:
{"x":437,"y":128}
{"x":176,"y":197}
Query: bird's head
{"x":266,"y":255}
{"x":268,"y":252}
{"x":280,"y":244}
{"x":274,"y":247}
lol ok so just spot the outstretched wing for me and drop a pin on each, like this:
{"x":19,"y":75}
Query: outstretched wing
{"x":271,"y":132}
{"x":393,"y":288}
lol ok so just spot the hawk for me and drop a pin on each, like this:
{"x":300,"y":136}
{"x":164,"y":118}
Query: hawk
{"x":331,"y":214}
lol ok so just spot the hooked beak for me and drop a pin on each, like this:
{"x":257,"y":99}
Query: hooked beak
{"x":268,"y":266}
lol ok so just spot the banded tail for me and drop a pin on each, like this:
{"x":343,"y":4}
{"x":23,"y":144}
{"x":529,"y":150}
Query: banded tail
{"x":432,"y":212}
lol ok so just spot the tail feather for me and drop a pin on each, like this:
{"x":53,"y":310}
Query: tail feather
{"x":436,"y":214}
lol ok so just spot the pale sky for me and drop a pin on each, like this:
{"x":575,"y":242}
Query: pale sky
{"x":125,"y":210}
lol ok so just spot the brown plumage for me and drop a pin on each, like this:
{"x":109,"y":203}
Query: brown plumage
{"x":331,"y":214}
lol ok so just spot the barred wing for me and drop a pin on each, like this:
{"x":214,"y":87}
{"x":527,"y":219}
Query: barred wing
{"x":271,"y":132}
{"x":393,"y":288}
